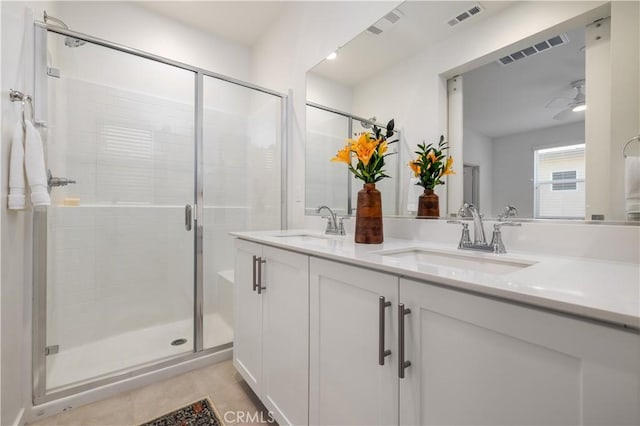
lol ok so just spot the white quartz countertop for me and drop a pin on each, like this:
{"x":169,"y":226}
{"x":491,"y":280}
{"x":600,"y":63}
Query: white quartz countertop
{"x":597,"y":289}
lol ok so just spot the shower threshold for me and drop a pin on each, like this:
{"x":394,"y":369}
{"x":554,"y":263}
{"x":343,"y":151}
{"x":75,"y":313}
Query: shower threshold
{"x":129,"y":351}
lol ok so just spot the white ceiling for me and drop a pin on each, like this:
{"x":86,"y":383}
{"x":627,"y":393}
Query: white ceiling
{"x":498,"y":100}
{"x":243,"y":22}
{"x":503,"y":100}
{"x":421,"y":24}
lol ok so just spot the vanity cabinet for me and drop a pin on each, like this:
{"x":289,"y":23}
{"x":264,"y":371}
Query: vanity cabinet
{"x":476,"y":360}
{"x":347,"y":383}
{"x":272,"y":328}
{"x":323,"y":343}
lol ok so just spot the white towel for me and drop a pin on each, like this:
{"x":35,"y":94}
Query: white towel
{"x":34,"y":165}
{"x":17,"y":183}
{"x":632,"y":184}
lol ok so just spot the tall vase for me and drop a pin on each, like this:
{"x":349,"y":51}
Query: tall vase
{"x":428,"y":205}
{"x":369,"y":215}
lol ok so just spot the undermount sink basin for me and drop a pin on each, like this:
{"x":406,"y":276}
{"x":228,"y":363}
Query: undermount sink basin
{"x":455,"y":260}
{"x":304,"y":237}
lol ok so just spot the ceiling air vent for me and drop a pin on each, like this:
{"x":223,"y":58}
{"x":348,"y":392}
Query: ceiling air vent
{"x":386,"y":22}
{"x":466,"y":14}
{"x":552,"y":42}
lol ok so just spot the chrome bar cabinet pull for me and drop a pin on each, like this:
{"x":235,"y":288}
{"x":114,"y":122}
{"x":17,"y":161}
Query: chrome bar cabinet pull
{"x":402,"y":364}
{"x":259,"y":286}
{"x":382,"y":352}
{"x":255,"y":282}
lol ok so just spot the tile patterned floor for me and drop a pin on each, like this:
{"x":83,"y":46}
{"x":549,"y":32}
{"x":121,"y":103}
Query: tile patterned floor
{"x":220,"y":382}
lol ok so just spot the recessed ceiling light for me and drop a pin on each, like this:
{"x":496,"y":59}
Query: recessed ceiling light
{"x":579,"y":108}
{"x":332,"y":56}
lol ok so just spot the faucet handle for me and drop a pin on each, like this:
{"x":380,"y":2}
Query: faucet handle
{"x":499,"y":225}
{"x":507,"y":212}
{"x":331,"y":225}
{"x":341,"y":225}
{"x":465,"y":239}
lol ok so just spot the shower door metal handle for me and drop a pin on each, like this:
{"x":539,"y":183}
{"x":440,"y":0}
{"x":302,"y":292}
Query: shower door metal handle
{"x":188,"y":213}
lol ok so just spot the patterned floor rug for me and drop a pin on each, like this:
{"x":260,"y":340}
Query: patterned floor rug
{"x":199,"y":413}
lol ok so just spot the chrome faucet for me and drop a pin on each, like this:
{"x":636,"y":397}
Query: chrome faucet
{"x":479,"y":240}
{"x":478,"y":226}
{"x":334,"y":224}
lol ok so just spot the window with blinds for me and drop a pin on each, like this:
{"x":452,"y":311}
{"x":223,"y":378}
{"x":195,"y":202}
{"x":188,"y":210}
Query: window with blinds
{"x":559,"y":182}
{"x":564,"y":181}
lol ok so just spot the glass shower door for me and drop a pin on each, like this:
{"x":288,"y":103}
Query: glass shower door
{"x":242,"y":150}
{"x":120,"y":241}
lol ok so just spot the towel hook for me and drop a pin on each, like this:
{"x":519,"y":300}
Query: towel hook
{"x":17,"y":96}
{"x":633,"y":139}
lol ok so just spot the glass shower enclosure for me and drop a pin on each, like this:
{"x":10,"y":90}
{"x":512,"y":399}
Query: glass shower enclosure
{"x":157,"y":162}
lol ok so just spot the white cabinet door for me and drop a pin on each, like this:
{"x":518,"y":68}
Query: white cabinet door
{"x":285,"y":335}
{"x":247,"y":316}
{"x":482,"y":361}
{"x":347,"y":385}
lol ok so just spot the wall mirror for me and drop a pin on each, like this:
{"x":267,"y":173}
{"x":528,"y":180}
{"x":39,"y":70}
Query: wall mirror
{"x":508,"y":84}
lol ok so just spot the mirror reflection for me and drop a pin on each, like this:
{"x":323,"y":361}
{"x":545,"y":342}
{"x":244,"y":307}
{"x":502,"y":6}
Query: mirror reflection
{"x":523,"y":130}
{"x":508,"y":84}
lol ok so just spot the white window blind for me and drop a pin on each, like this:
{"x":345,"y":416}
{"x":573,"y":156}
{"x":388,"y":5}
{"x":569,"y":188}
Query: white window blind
{"x":564,"y":181}
{"x":559,"y":182}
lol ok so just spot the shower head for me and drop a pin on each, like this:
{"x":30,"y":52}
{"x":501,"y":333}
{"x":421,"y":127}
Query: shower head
{"x":73,"y":42}
{"x":368,"y":124}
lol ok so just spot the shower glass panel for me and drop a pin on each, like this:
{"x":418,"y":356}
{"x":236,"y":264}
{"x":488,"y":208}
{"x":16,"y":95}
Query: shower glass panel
{"x":120,"y":260}
{"x":242,"y":146}
{"x":326,"y":182}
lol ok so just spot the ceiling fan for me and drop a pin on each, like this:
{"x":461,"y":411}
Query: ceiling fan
{"x":570,"y":106}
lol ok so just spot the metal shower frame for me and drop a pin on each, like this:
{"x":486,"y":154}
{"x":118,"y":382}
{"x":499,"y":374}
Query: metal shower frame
{"x":39,"y":311}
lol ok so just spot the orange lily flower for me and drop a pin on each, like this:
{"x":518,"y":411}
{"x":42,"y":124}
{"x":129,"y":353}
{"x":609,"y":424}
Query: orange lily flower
{"x":448,"y":168}
{"x":382,"y":148}
{"x":415,"y":167}
{"x":364,"y":148}
{"x":343,"y":155}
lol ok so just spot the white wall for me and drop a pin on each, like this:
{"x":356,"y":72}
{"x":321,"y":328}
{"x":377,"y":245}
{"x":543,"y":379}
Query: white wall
{"x":131,"y":25}
{"x":303,"y":36}
{"x":478,"y":152}
{"x":329,"y":93}
{"x":513,"y":164}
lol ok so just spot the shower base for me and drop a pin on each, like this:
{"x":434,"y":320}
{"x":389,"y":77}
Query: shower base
{"x":130,"y":351}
